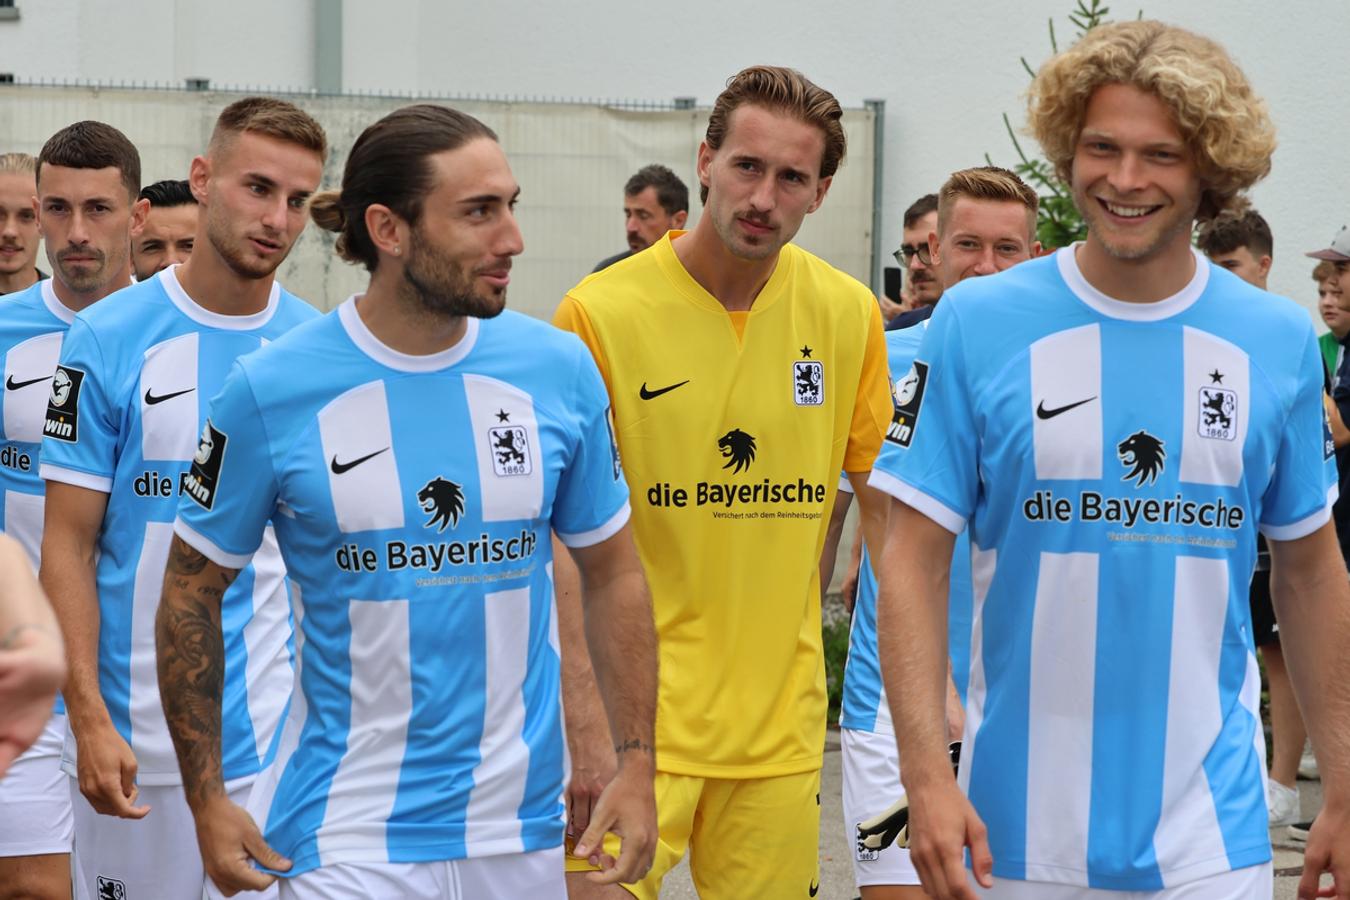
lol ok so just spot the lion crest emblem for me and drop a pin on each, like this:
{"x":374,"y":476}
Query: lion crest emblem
{"x":738,"y":449}
{"x":444,"y":501}
{"x":1143,"y":455}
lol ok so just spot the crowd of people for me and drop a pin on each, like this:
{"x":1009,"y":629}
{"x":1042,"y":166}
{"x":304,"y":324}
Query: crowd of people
{"x":427,"y":598}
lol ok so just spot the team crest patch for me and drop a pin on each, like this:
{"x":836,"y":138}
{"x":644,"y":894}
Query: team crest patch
{"x":510,"y":450}
{"x":1218,"y":413}
{"x":908,"y":401}
{"x":62,"y":422}
{"x":808,"y":382}
{"x":861,"y":852}
{"x":110,"y":889}
{"x":203,"y":476}
{"x":443,"y":500}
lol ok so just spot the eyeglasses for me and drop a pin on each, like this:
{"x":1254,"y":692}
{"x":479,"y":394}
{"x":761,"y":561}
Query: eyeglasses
{"x":905,"y":255}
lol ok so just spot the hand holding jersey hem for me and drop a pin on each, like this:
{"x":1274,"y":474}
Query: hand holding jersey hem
{"x":627,"y":808}
{"x":229,"y":840}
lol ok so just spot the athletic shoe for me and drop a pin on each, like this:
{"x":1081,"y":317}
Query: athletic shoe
{"x":1307,"y":765}
{"x":1298,"y":832}
{"x":1282,"y":803}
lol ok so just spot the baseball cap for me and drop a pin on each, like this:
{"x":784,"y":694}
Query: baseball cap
{"x":1339,"y":249}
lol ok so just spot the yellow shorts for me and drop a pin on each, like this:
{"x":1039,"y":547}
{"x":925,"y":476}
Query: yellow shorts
{"x":753,"y":837}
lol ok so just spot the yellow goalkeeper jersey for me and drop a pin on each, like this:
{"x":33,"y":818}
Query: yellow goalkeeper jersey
{"x":733,"y":428}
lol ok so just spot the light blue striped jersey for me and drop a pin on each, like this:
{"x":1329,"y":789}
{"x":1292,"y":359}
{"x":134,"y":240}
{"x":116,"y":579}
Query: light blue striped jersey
{"x":1114,"y":462}
{"x":864,"y":705}
{"x":416,"y":497}
{"x":33,"y":323}
{"x":127,"y":404}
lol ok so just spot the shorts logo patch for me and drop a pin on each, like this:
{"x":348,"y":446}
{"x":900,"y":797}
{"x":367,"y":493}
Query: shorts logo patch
{"x":908,"y":401}
{"x":510,"y":450}
{"x":1218,"y":413}
{"x":203,"y":476}
{"x":62,"y":422}
{"x":110,"y":889}
{"x":808,"y":382}
{"x":861,"y":852}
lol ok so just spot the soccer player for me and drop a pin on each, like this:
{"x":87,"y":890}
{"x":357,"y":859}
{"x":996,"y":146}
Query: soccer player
{"x":128,"y":401}
{"x":1114,"y":436}
{"x":986,"y":222}
{"x":89,"y":175}
{"x":751,"y":373}
{"x":655,"y":201}
{"x":170,"y":228}
{"x":419,"y":458}
{"x":18,"y":223}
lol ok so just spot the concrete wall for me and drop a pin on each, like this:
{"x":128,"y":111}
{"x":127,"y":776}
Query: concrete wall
{"x":946,"y":76}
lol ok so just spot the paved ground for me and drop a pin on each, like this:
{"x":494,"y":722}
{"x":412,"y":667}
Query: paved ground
{"x":836,"y":869}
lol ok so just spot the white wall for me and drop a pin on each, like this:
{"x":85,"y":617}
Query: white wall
{"x":946,"y":72}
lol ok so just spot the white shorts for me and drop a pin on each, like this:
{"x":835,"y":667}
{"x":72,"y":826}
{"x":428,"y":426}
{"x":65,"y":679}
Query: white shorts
{"x":156,"y":856}
{"x":35,"y":798}
{"x":537,"y":875}
{"x":1251,"y":883}
{"x":871,"y":785}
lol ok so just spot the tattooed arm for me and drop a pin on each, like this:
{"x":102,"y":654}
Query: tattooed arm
{"x":191,"y":656}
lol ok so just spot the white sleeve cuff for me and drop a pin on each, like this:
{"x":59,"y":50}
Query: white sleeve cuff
{"x":845,"y":485}
{"x":909,"y":495}
{"x":1303,"y":527}
{"x":596,"y":535}
{"x":100,"y":483}
{"x":206,"y":547}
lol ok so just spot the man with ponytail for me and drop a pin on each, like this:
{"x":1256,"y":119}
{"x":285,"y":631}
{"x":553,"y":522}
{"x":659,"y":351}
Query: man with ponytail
{"x":129,"y":399}
{"x":420,"y":444}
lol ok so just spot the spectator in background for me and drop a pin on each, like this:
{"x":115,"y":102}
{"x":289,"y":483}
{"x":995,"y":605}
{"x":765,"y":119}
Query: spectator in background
{"x":655,"y":201}
{"x":1333,"y":315}
{"x":1239,"y":240}
{"x":18,"y":223}
{"x":170,"y":228}
{"x":924,"y":284}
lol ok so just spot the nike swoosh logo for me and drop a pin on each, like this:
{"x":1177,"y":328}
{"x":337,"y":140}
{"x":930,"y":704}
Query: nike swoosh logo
{"x":814,"y":889}
{"x":151,"y":399}
{"x":338,"y":468}
{"x":651,"y":395}
{"x":1043,"y":413}
{"x":15,"y":385}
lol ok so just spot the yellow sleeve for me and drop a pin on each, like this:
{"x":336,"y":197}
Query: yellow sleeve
{"x":571,"y":316}
{"x":874,"y":405}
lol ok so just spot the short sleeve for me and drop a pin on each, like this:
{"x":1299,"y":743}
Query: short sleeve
{"x":930,"y":457}
{"x":81,"y":432}
{"x":230,"y":490}
{"x":1303,"y":486}
{"x":872,"y":406}
{"x":571,"y":316}
{"x":591,"y":504}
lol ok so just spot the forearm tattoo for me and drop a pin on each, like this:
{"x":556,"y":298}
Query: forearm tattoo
{"x":637,"y":744}
{"x":191,"y":654}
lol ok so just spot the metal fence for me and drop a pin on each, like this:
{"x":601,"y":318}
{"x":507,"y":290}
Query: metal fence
{"x":571,"y":159}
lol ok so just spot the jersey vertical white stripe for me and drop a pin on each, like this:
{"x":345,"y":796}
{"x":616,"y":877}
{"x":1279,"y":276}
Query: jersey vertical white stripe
{"x":266,"y":676}
{"x":506,"y":433}
{"x":23,"y":521}
{"x":499,"y":778}
{"x":1061,"y":695}
{"x":1189,"y":824}
{"x":168,"y":399}
{"x":1066,"y":377}
{"x":265,"y":787}
{"x":356,"y":425}
{"x":146,"y":711}
{"x":26,"y":406}
{"x":1216,"y":395}
{"x":983,"y":564}
{"x":365,"y":785}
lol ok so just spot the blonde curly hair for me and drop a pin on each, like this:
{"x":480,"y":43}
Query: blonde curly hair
{"x":1224,"y":122}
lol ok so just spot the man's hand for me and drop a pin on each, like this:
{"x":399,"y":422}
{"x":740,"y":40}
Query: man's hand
{"x":32,"y":667}
{"x":106,"y":769}
{"x":942,"y":823}
{"x":593,"y":766}
{"x":627,"y":807}
{"x":230,"y":840}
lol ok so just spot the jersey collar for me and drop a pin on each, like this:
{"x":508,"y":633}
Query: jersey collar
{"x":385,"y":355}
{"x":168,"y":279}
{"x":54,"y":304}
{"x":1121,"y":309}
{"x":679,"y":275}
